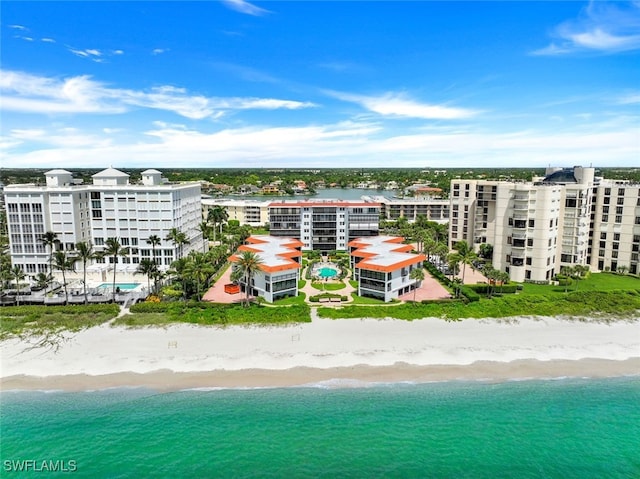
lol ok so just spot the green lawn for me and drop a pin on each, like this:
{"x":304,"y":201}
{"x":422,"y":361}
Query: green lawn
{"x":595,"y":282}
{"x":606,"y":304}
{"x":290,"y":300}
{"x":367,"y":300}
{"x":328,"y":286}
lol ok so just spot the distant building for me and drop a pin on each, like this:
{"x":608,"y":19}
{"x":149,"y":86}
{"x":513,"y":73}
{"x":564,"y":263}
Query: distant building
{"x":324,"y":225}
{"x":279,"y":270}
{"x":568,"y":217}
{"x":248,"y":212}
{"x":382,"y":266}
{"x":111,"y":207}
{"x":411,"y":208}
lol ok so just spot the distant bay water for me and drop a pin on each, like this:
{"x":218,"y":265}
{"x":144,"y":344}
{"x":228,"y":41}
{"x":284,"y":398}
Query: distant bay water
{"x":325,"y":193}
{"x":566,"y":428}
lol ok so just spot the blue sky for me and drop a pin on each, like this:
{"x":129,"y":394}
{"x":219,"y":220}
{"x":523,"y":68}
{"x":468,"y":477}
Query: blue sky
{"x":319,"y":83}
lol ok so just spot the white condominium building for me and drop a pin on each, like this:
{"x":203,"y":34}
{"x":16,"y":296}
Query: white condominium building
{"x":324,"y":225}
{"x":248,"y":212}
{"x":279,"y":273}
{"x":111,"y":207}
{"x":568,"y":217}
{"x":433,"y":209}
{"x":382,"y":266}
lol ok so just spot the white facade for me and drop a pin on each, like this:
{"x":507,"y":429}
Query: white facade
{"x":279,"y":269}
{"x":247,"y":212}
{"x":324,"y":225}
{"x":108,"y":208}
{"x":382,"y":266}
{"x":567,"y":218}
{"x":433,"y":209}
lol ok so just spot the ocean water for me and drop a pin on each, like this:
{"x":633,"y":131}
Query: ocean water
{"x":568,"y":428}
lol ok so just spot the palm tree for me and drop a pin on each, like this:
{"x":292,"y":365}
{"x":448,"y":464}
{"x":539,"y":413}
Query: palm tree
{"x":416,"y":274}
{"x":114,"y":249}
{"x":249,"y":263}
{"x":198,"y":268}
{"x":85,"y":253}
{"x":467,"y":255}
{"x":217,"y":215}
{"x":17,"y":275}
{"x":50,"y":239}
{"x":453,"y":262}
{"x":457,"y":284}
{"x":567,"y":271}
{"x":42,"y":280}
{"x":178,"y":238}
{"x":205,"y":229}
{"x":154,"y":240}
{"x":178,"y":271}
{"x":63,"y":262}
{"x":148,"y":268}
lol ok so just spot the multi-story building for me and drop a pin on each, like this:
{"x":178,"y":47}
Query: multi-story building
{"x":614,"y":236}
{"x":111,"y":207}
{"x":279,"y":268}
{"x":247,"y":212}
{"x":433,"y":209}
{"x":538,"y":227}
{"x":382,"y":266}
{"x":324,"y":225}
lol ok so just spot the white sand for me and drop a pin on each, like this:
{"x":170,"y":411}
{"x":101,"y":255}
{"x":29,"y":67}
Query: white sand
{"x":322,"y":344}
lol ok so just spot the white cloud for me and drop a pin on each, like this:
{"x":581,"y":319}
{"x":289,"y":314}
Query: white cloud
{"x":345,"y":143}
{"x":18,"y":27}
{"x":601,"y":27}
{"x":32,"y":94}
{"x":26,"y":39}
{"x":629,"y":99}
{"x":158,"y":51}
{"x":245,"y":7}
{"x":117,"y":52}
{"x":48,"y":40}
{"x":397,"y":105}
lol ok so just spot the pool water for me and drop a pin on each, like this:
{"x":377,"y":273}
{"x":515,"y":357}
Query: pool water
{"x":122,"y":286}
{"x":327,"y":272}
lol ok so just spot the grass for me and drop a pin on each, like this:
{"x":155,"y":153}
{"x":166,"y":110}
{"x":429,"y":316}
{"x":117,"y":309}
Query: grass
{"x":302,"y":283}
{"x":291,"y":300}
{"x":328,"y":286}
{"x":39,"y":320}
{"x":595,"y":282}
{"x":367,"y":300}
{"x":610,"y":304}
{"x":151,"y":314}
{"x":354,"y":283}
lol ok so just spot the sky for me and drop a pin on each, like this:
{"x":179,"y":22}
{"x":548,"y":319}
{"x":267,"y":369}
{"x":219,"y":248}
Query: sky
{"x":297,"y":84}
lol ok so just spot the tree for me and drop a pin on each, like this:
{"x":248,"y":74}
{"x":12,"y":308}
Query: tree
{"x":205,"y":229}
{"x":148,"y":268}
{"x":457,"y":284}
{"x":178,"y":238}
{"x":154,"y":240}
{"x":199,"y":269}
{"x":113,"y":249}
{"x":63,"y":263}
{"x":85,"y":253}
{"x":42,"y":280}
{"x":579,"y":272}
{"x":249,"y":263}
{"x":217,"y":215}
{"x":566,"y":271}
{"x":467,"y":255}
{"x":417,"y":274}
{"x":50,"y":239}
{"x":178,"y":271}
{"x":453,"y":262}
{"x":486,"y":251}
{"x":17,"y":275}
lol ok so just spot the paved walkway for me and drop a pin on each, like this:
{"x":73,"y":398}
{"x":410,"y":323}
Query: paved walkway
{"x":217,"y":293}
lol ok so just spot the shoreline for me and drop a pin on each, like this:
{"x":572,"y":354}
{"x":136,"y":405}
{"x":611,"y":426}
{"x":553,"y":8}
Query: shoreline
{"x":349,"y":351}
{"x":331,"y":378}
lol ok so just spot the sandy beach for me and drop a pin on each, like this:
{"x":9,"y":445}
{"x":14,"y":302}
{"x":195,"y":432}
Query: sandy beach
{"x":328,"y":353}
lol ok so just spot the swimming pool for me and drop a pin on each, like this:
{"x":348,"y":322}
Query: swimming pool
{"x":327,"y":272}
{"x":122,"y":286}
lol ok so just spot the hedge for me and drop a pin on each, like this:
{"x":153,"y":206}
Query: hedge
{"x":483,"y":288}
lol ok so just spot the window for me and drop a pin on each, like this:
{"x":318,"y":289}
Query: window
{"x":616,"y":236}
{"x":621,"y":192}
{"x":618,"y":218}
{"x":620,"y":201}
{"x":529,"y":241}
{"x":532,"y":223}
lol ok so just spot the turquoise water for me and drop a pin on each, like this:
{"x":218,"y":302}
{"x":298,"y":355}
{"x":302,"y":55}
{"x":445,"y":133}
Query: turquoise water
{"x":562,"y":429}
{"x":122,"y":286}
{"x":327,"y":272}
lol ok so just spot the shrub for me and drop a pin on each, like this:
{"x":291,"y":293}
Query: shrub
{"x":470,"y":294}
